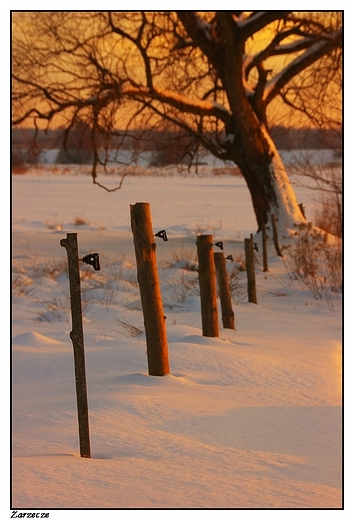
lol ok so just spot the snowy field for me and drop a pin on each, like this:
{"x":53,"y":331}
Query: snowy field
{"x":252,"y":419}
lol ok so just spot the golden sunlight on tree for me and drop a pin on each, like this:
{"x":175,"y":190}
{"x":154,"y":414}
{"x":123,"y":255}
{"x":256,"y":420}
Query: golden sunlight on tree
{"x":220,"y":77}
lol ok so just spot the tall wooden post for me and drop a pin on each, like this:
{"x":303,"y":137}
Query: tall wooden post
{"x":151,"y":300}
{"x":228,"y":316}
{"x":251,"y":277}
{"x":77,"y":338}
{"x":207,"y":285}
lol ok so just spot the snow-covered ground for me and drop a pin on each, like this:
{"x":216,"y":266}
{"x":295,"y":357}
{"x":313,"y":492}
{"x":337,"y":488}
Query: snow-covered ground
{"x":252,"y":419}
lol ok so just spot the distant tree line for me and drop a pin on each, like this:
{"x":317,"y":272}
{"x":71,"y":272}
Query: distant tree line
{"x":169,"y":146}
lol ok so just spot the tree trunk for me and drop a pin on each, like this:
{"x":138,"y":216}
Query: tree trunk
{"x":255,"y":153}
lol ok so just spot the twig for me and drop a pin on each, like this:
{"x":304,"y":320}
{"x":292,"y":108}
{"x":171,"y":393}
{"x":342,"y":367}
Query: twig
{"x":110,"y":189}
{"x":130,"y":330}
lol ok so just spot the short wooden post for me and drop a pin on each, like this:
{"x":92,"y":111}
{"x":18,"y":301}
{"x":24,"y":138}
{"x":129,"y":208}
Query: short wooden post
{"x":275,"y":235}
{"x":77,"y":338}
{"x":207,"y":285}
{"x":264,"y":248}
{"x":251,"y":277}
{"x":228,"y":316}
{"x":151,"y":300}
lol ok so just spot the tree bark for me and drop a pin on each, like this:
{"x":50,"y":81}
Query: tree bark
{"x":255,"y":154}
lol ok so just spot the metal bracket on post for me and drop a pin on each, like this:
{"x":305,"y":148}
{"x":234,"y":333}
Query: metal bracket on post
{"x":92,"y":259}
{"x":161,"y":234}
{"x":77,"y":338}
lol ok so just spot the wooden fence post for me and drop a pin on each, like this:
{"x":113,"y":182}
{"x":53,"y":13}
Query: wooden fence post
{"x":264,"y":248}
{"x":251,"y":277}
{"x":207,"y":285}
{"x":275,"y":234}
{"x":77,"y":338}
{"x":151,"y":300}
{"x":228,"y":316}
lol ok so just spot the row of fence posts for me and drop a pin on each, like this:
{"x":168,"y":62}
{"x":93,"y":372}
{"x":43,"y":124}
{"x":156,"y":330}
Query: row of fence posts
{"x":212,"y":273}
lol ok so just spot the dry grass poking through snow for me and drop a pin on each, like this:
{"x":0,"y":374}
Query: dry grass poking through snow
{"x":115,"y":284}
{"x":315,"y":261}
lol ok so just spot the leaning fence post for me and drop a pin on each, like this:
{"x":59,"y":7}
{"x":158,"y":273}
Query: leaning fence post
{"x":228,"y":316}
{"x":251,"y":277}
{"x":207,"y":285}
{"x":77,"y":338}
{"x":264,"y":248}
{"x":275,"y":234}
{"x":151,"y":300}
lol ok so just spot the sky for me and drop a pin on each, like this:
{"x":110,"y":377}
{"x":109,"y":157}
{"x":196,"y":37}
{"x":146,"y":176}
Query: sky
{"x":277,"y":112}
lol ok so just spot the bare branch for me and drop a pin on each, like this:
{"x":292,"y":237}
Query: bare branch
{"x":311,"y":55}
{"x":110,"y":190}
{"x":259,"y":20}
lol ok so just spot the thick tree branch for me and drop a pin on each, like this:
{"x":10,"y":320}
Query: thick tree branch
{"x":201,"y":34}
{"x":183,"y":103}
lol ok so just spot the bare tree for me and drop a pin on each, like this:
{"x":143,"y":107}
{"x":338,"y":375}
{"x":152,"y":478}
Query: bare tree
{"x":213,"y":75}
